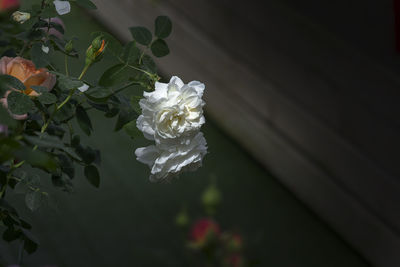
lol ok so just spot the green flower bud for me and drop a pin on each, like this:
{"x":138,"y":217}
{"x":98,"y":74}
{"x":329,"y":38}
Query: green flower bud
{"x":211,"y":198}
{"x":95,"y":50}
{"x":182,"y":219}
{"x":69,"y":47}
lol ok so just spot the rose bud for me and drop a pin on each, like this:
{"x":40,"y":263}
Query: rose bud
{"x":182,"y":219}
{"x":204,"y":231}
{"x":69,"y":47}
{"x":8,"y":4}
{"x":95,"y":50}
{"x":211,"y":198}
{"x":20,"y":17}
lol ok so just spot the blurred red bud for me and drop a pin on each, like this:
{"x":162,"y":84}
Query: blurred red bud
{"x":204,"y":230}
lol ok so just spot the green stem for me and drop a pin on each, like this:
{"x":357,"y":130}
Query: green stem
{"x":136,"y":68}
{"x":85,"y":69}
{"x":71,"y":93}
{"x":124,"y":87}
{"x":23,"y":48}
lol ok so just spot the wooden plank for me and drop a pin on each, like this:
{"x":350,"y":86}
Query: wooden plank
{"x":304,"y":119}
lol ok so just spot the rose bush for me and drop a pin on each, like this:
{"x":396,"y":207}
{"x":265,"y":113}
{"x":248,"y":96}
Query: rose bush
{"x":40,"y":100}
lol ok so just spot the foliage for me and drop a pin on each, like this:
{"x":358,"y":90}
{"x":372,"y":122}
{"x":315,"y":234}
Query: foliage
{"x":44,"y":144}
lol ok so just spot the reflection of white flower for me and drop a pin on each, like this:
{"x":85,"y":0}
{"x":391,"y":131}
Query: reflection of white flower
{"x":62,"y":7}
{"x":173,"y":110}
{"x":165,"y":164}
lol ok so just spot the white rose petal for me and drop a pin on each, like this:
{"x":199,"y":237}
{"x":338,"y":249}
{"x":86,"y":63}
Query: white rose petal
{"x":172,"y":111}
{"x":62,"y":7}
{"x":83,"y":88}
{"x":45,"y":49}
{"x":166,"y":164}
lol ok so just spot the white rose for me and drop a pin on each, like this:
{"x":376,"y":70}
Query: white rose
{"x":168,"y":163}
{"x":173,"y":110}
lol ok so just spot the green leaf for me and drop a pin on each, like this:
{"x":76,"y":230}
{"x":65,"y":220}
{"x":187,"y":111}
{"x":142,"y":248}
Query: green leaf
{"x":8,"y":82}
{"x":131,"y":129}
{"x":47,"y":98}
{"x":87,"y":154}
{"x":49,"y":12}
{"x":163,"y":27}
{"x":86,"y":4}
{"x":37,"y":159}
{"x":141,"y":35}
{"x":149,"y":64}
{"x":131,"y":53}
{"x":92,"y":175}
{"x":8,"y":147}
{"x":40,"y":89}
{"x":34,"y":200}
{"x":5,"y":118}
{"x":135,"y":103}
{"x":112,"y":112}
{"x":65,"y":113}
{"x":62,"y":182}
{"x":98,"y":94}
{"x":58,"y":27}
{"x":45,"y":141}
{"x":19,"y":103}
{"x":159,"y":48}
{"x":76,"y":140}
{"x":100,"y":107}
{"x":40,"y":58}
{"x":83,"y":120}
{"x":124,"y":117}
{"x":67,"y":83}
{"x":114,"y":75}
{"x":10,"y":234}
{"x":67,"y":165}
{"x":30,"y":242}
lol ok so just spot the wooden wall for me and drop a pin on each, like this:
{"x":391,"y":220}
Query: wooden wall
{"x":313,"y":103}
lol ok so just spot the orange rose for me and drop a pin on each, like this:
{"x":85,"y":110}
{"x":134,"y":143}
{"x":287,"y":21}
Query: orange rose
{"x":25,"y":71}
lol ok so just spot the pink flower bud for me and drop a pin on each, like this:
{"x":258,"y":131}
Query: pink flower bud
{"x":204,"y":230}
{"x":3,"y":129}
